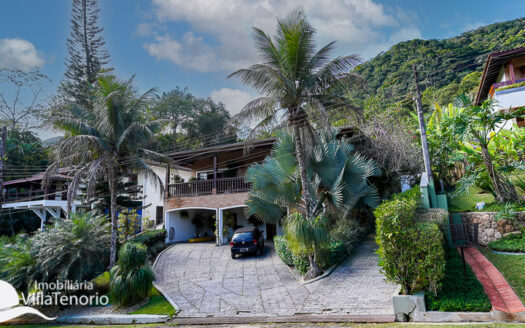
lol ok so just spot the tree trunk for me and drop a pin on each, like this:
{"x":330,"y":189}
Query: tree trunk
{"x":505,"y":191}
{"x":314,"y":270}
{"x":113,"y":211}
{"x":299,"y":154}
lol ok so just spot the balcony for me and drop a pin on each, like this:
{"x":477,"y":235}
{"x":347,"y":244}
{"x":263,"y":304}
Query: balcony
{"x":25,"y":196}
{"x":506,"y":86}
{"x":208,"y":187}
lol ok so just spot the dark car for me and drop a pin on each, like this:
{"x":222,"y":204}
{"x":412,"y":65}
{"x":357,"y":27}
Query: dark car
{"x":247,"y":241}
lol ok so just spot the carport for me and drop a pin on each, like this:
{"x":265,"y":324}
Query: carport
{"x":183,"y":224}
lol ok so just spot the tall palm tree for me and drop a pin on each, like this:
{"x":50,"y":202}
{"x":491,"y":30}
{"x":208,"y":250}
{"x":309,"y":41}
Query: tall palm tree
{"x":105,"y":140}
{"x":296,"y":81}
{"x":338,"y":180}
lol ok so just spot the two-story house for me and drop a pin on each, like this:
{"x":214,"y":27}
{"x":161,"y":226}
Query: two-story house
{"x":212,"y":205}
{"x":504,"y":81}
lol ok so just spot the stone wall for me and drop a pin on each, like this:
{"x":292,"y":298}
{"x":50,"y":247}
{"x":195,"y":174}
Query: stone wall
{"x":488,"y":228}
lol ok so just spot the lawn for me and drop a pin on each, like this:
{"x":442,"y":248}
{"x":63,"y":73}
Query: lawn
{"x":458,"y":294}
{"x":511,"y":267}
{"x":157,"y":304}
{"x":467,"y":203}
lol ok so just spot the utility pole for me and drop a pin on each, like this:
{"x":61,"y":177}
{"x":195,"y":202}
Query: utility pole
{"x":422,"y":128}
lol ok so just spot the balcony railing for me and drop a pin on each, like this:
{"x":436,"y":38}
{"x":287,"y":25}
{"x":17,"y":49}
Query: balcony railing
{"x":503,"y":84}
{"x":206,"y":187}
{"x":26,"y":196}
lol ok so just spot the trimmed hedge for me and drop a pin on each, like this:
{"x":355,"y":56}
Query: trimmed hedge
{"x":410,"y":253}
{"x":284,"y":253}
{"x":154,"y":240}
{"x":510,"y":243}
{"x":457,"y":293}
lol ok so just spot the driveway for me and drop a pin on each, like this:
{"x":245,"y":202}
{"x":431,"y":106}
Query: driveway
{"x":203,"y":280}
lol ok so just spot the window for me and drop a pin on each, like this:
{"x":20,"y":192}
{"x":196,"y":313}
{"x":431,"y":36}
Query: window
{"x":159,"y":215}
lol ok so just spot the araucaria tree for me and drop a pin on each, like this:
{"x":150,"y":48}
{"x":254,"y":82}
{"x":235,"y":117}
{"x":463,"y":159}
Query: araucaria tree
{"x":296,"y":81}
{"x":87,"y":57}
{"x":101,"y":142}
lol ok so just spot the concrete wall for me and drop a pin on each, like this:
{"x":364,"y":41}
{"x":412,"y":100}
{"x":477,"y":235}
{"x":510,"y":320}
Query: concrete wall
{"x":488,"y":228}
{"x":510,"y":98}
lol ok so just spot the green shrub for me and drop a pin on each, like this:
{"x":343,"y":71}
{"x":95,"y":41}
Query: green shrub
{"x":154,"y":240}
{"x":282,"y":250}
{"x":410,"y":253}
{"x":131,"y":278}
{"x":457,"y":293}
{"x":438,"y":216}
{"x":17,"y":262}
{"x":509,"y":243}
{"x":301,"y":261}
{"x":150,"y":237}
{"x":330,"y":254}
{"x":75,"y":249}
{"x":102,"y":282}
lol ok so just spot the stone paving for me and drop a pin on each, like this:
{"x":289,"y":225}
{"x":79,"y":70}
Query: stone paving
{"x":203,"y":280}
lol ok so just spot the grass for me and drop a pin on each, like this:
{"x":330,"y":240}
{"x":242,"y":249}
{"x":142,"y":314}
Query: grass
{"x":467,"y":203}
{"x":157,"y":304}
{"x":511,"y":267}
{"x":510,"y":243}
{"x":458,"y":294}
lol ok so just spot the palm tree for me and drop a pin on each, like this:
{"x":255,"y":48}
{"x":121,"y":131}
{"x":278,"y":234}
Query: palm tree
{"x":338,"y":180}
{"x":105,"y":140}
{"x":297,"y":83}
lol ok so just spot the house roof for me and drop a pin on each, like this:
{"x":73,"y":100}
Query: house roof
{"x":35,"y":178}
{"x":492,"y":69}
{"x":188,"y":156}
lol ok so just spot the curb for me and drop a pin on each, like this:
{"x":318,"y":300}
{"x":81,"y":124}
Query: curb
{"x":506,"y":253}
{"x":113,"y":319}
{"x":163,"y":293}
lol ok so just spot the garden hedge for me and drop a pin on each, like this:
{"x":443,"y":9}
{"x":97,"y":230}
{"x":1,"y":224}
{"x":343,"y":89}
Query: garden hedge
{"x":410,"y":252}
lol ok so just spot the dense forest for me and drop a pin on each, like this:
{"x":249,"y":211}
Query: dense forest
{"x":446,"y":67}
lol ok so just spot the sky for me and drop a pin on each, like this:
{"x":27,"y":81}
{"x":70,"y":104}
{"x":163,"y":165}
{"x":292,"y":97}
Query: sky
{"x":198,"y":43}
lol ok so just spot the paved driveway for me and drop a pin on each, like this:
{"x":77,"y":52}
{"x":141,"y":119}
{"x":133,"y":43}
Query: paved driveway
{"x":203,"y":280}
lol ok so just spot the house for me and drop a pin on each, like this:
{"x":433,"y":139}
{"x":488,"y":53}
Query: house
{"x":504,"y":81}
{"x":28,"y":194}
{"x":212,"y":204}
{"x":151,"y":191}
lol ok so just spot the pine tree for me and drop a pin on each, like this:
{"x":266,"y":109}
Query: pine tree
{"x":87,"y":58}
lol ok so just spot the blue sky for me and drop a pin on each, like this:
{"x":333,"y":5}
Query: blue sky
{"x":197,"y":43}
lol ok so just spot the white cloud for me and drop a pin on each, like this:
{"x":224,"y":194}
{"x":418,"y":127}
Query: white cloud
{"x":19,"y":54}
{"x":144,"y":30}
{"x":224,"y":27}
{"x":233,"y":99}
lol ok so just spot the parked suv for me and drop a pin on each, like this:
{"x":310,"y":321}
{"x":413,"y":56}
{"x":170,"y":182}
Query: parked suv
{"x":247,"y":241}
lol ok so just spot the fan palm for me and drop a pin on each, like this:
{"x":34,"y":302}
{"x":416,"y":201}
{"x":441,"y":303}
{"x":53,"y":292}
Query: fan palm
{"x":337,"y":179}
{"x":104,"y":140}
{"x":296,"y":82}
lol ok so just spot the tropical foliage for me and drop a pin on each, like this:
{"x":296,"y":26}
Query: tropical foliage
{"x":338,"y":180}
{"x":298,"y":84}
{"x":101,"y":141}
{"x":131,"y":278}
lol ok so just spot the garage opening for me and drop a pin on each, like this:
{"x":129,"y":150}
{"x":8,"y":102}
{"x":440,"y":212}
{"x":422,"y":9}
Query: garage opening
{"x":191,"y":225}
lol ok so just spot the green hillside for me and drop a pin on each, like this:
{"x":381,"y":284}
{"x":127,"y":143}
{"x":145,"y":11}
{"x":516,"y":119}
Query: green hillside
{"x":443,"y":64}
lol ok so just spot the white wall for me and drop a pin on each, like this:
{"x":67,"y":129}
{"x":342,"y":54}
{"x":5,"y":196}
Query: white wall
{"x":506,"y":99}
{"x":183,"y":228}
{"x":242,"y":221}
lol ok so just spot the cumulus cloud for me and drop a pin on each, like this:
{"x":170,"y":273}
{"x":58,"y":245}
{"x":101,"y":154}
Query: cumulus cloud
{"x":19,"y":54}
{"x":359,"y":26}
{"x":233,"y":99}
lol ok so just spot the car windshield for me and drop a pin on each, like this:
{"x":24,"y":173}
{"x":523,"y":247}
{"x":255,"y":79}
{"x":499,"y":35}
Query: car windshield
{"x":243,"y":236}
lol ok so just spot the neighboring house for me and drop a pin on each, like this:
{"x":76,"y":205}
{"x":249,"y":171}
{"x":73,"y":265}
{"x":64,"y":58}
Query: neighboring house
{"x":504,"y":81}
{"x":212,"y":204}
{"x":153,"y":196}
{"x":28,"y":194}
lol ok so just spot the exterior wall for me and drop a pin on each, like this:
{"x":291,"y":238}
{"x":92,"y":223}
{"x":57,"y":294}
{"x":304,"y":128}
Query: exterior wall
{"x":510,"y":98}
{"x":237,"y":159}
{"x":212,"y":201}
{"x":151,"y":190}
{"x":488,"y":228}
